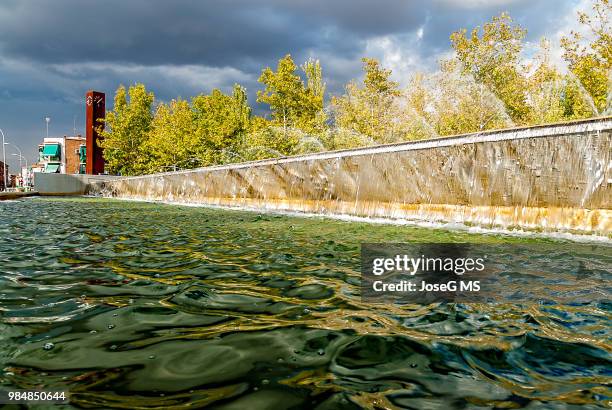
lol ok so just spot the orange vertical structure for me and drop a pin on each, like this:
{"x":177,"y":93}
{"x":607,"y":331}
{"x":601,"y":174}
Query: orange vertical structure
{"x":95,"y":110}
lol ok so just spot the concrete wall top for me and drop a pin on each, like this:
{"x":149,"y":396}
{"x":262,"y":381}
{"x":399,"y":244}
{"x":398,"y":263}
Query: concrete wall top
{"x":66,"y":184}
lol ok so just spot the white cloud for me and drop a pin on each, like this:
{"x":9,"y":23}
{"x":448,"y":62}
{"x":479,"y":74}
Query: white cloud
{"x":564,"y":27}
{"x":419,"y":33}
{"x":402,"y":54}
{"x":191,"y":76}
{"x":476,"y":4}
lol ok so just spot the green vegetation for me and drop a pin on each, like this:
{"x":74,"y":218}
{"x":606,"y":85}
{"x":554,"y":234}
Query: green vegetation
{"x":486,"y":84}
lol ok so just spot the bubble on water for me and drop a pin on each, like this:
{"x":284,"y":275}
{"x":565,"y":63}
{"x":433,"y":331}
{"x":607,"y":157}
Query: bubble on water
{"x":113,"y":347}
{"x":110,"y":326}
{"x":115,"y":314}
{"x":265,"y":381}
{"x":152,"y":357}
{"x":320,"y":352}
{"x":48,"y":346}
{"x":306,"y":311}
{"x":413,"y":365}
{"x":93,"y":332}
{"x":280,"y":360}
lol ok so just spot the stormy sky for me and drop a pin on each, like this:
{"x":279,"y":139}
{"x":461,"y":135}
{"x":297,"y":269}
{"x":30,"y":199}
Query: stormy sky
{"x":52,"y":52}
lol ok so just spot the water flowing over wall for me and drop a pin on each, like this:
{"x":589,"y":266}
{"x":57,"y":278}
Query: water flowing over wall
{"x":555,"y":178}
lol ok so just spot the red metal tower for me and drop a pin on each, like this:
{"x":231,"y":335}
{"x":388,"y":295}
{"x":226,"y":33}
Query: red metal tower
{"x":95,"y":111}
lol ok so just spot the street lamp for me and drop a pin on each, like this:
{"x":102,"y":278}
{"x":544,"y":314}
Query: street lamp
{"x":47,"y":119}
{"x":20,"y":153}
{"x":3,"y":162}
{"x":26,"y":180}
{"x":20,"y":158}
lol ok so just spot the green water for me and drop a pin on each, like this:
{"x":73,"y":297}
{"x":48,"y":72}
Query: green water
{"x":159,"y":306}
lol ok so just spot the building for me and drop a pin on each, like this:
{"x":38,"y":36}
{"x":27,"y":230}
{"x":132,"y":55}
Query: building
{"x":76,"y":155}
{"x":2,"y":185}
{"x":62,"y":155}
{"x":25,"y":177}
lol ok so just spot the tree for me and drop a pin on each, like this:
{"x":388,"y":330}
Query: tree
{"x":127,"y":128}
{"x":370,"y":109}
{"x":312,"y":118}
{"x":591,"y":62}
{"x":553,"y":96}
{"x":293,"y":103}
{"x":220,"y":123}
{"x":576,"y":101}
{"x":241,"y":107}
{"x":452,"y":102}
{"x":545,"y":89}
{"x":284,"y":92}
{"x":172,"y":142}
{"x":491,"y":56}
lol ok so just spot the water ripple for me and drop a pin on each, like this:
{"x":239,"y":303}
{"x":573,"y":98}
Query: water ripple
{"x":174,"y":307}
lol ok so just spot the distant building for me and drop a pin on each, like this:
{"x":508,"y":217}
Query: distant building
{"x":62,"y":155}
{"x":38,"y":167}
{"x":2,"y":185}
{"x":24,"y":179}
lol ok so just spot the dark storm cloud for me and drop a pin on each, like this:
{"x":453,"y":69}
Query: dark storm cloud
{"x":227,"y":32}
{"x":51,"y":52}
{"x":537,"y":16}
{"x":215,"y":33}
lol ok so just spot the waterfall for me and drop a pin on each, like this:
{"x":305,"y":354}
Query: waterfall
{"x":553,"y":178}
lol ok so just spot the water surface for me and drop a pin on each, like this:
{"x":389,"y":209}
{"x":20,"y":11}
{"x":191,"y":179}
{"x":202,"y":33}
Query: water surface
{"x":163,"y":306}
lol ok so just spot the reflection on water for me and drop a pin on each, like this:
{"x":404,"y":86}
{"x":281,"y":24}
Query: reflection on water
{"x":160,"y":306}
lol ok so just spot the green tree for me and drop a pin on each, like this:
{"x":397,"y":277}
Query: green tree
{"x":313,"y":119}
{"x":452,"y":102}
{"x":370,"y":109}
{"x":172,"y":142}
{"x":545,"y":88}
{"x":242,"y":108}
{"x":220,"y":123}
{"x":293,"y":103}
{"x":553,"y":96}
{"x":591,"y":62}
{"x":126,"y":131}
{"x":492,"y":57}
{"x":271,"y":141}
{"x":284,"y":92}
